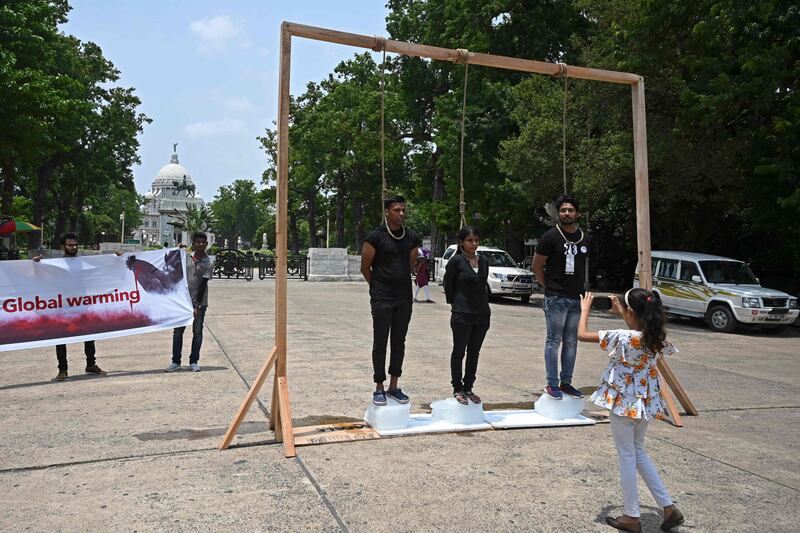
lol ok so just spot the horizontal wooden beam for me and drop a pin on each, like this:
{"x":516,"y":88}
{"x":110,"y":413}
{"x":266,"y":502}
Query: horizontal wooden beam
{"x":449,"y":54}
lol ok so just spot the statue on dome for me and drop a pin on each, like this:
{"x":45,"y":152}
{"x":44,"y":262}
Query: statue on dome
{"x":184,"y":186}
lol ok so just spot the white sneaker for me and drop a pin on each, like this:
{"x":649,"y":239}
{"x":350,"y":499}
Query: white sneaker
{"x":172,"y":367}
{"x":194,"y":367}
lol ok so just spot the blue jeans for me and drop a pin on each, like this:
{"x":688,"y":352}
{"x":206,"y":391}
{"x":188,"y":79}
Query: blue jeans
{"x":197,"y":339}
{"x":562,"y":315}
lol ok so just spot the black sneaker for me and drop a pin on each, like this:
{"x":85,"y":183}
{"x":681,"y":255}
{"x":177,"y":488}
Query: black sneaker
{"x":553,"y":392}
{"x":398,"y":396}
{"x":379,"y":397}
{"x":568,"y":389}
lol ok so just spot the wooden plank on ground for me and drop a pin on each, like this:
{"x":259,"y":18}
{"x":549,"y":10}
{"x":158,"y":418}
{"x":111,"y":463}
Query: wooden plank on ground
{"x":330,"y":433}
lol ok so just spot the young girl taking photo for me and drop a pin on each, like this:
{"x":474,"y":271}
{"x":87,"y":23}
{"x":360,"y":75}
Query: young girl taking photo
{"x":629,"y":390}
{"x":465,"y":288}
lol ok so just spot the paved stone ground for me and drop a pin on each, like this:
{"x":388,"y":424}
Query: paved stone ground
{"x":136,"y":451}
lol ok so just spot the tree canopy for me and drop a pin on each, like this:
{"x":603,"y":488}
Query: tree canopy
{"x":722,"y":114}
{"x":69,"y":138}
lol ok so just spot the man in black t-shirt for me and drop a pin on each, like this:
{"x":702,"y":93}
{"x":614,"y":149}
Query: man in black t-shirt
{"x":387,"y":257}
{"x":559,"y":264}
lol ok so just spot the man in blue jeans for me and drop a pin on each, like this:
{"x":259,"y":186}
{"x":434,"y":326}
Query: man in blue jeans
{"x":559,"y":264}
{"x":199,"y":270}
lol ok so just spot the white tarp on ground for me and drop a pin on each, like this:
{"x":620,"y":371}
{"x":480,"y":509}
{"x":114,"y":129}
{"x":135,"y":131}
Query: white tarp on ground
{"x":74,"y":299}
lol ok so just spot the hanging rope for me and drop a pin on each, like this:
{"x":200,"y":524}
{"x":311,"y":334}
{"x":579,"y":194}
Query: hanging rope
{"x":463,"y":57}
{"x":380,"y":46}
{"x":563,"y":73}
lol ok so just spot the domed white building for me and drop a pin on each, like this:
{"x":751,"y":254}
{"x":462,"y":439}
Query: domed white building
{"x":172,"y":192}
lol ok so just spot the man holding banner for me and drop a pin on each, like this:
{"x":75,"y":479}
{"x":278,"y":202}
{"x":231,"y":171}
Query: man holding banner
{"x":69,"y":243}
{"x":199,"y":270}
{"x":83,"y":298}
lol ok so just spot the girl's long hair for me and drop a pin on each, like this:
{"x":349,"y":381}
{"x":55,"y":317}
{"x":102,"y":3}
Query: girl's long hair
{"x":465,"y":232}
{"x":649,"y":311}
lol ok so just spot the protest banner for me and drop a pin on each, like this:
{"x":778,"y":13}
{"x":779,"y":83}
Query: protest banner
{"x":75,"y":299}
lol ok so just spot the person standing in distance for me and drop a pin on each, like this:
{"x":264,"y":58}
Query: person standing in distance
{"x":69,"y":243}
{"x":199,"y":270}
{"x":387,"y":257}
{"x":560,"y":263}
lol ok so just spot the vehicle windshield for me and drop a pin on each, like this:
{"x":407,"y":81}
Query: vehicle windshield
{"x":498,"y":259}
{"x":728,"y":272}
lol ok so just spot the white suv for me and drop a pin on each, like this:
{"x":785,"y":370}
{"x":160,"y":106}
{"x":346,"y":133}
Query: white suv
{"x":505,"y":277}
{"x":721,"y":290}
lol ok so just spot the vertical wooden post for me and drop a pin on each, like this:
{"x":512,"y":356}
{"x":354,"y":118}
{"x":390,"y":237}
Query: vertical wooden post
{"x":642,"y":188}
{"x":281,"y":242}
{"x":643,"y":237}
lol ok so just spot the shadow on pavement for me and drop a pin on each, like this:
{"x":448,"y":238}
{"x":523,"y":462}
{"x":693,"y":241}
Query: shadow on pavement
{"x":111,"y":374}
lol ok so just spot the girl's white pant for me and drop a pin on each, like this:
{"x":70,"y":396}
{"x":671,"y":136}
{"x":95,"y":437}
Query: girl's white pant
{"x":427,"y":292}
{"x":629,"y":439}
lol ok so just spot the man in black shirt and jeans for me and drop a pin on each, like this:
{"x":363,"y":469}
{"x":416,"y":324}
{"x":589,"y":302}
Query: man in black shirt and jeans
{"x":559,"y":264}
{"x":387,"y":257}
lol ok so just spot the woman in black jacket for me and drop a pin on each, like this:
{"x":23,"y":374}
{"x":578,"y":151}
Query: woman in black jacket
{"x":465,"y":288}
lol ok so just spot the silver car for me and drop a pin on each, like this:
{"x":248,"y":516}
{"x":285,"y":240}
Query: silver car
{"x":721,"y":290}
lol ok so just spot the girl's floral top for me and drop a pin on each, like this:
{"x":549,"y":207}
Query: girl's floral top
{"x":629,"y":384}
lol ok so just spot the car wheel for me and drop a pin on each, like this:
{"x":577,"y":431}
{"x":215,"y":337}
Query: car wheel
{"x":526,"y":299}
{"x":720,"y":318}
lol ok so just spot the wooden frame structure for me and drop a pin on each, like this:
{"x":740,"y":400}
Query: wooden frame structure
{"x":280,"y":411}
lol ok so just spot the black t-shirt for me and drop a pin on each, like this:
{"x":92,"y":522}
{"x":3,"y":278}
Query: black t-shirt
{"x":391,"y":267}
{"x":565,"y":268}
{"x":464,"y":288}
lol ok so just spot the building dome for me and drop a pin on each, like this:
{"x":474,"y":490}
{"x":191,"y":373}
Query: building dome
{"x":173,"y":171}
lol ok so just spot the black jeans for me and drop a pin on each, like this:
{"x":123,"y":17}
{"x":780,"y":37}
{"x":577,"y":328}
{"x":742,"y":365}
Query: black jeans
{"x":468,"y":334}
{"x":61,"y":355}
{"x":197,"y":339}
{"x":389,"y":318}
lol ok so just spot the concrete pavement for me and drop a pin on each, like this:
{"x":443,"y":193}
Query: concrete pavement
{"x":136,"y":451}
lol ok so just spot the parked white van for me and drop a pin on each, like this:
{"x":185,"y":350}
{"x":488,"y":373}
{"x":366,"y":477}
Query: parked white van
{"x":506,"y":278}
{"x":721,"y":290}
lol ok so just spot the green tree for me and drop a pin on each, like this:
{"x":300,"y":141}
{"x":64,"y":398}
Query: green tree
{"x":72,"y":133}
{"x":239,"y":210}
{"x":194,"y":219}
{"x":432,"y":91}
{"x":334,"y":154}
{"x":723,"y":126}
{"x":31,"y":90}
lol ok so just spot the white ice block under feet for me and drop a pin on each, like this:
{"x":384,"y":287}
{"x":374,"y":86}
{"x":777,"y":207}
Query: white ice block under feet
{"x":452,"y":412}
{"x":566,"y":407}
{"x":393,"y":415}
{"x":446,"y":416}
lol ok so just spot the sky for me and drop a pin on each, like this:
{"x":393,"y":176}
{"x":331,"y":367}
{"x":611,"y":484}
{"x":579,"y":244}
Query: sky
{"x":207,"y":73}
